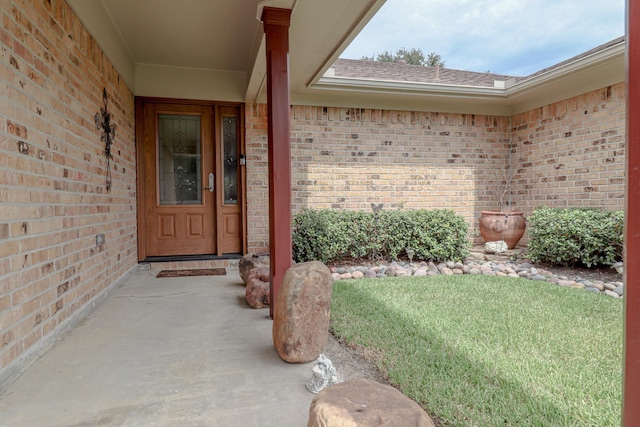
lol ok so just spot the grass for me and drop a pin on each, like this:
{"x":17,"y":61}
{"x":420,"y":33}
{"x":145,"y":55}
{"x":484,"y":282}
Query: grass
{"x":490,"y":351}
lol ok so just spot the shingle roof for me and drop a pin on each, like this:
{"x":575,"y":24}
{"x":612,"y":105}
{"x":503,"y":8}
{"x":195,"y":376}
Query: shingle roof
{"x":401,"y":72}
{"x":394,"y":71}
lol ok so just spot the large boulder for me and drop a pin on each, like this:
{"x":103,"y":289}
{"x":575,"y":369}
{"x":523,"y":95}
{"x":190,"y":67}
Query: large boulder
{"x":257,"y":291}
{"x":362,"y":402}
{"x":251,"y":261}
{"x":301,"y":313}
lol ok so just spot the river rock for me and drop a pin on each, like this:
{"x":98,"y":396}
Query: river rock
{"x":565,"y":283}
{"x":301,"y":313}
{"x":473,"y":266}
{"x":402,"y":272}
{"x":420,"y":272}
{"x":370,"y":274}
{"x":611,"y":293}
{"x":357,"y":274}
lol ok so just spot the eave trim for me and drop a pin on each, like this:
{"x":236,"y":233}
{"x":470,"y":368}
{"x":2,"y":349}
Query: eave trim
{"x":503,"y":92}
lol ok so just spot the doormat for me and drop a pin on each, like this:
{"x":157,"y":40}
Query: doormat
{"x":196,"y":272}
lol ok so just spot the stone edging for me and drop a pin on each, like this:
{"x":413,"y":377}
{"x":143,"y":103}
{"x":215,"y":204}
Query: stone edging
{"x":488,"y":268}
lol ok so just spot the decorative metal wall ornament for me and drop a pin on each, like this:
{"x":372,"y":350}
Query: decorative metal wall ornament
{"x":103,"y":122}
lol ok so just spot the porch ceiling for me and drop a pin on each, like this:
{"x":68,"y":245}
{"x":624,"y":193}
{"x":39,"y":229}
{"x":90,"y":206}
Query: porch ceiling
{"x":203,"y":34}
{"x":214,"y":49}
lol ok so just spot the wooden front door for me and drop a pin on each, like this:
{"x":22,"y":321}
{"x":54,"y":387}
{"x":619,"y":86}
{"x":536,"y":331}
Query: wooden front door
{"x":190,"y":179}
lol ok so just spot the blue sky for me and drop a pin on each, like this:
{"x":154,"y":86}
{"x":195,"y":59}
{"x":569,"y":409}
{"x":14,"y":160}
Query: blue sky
{"x":513,"y":37}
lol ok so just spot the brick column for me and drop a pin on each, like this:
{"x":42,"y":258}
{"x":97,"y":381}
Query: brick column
{"x":276,"y":27}
{"x":631,"y":368}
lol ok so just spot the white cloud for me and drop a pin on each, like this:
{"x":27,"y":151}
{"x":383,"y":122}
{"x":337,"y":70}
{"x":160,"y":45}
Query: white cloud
{"x":515,"y":37}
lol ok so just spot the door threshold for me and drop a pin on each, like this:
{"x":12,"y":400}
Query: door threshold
{"x":179,"y":258}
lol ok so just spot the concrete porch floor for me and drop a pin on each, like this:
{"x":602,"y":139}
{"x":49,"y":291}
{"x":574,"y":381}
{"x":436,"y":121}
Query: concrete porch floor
{"x":164,"y":352}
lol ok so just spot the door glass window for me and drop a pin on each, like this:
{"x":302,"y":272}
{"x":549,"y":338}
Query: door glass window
{"x":179,"y":159}
{"x":230,"y":159}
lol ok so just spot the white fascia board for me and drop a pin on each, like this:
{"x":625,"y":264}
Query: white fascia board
{"x":415,"y":88}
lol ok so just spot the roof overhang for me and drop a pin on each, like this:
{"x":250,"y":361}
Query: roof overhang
{"x":366,"y":93}
{"x":215,"y":49}
{"x":590,"y":72}
{"x":193,"y":61}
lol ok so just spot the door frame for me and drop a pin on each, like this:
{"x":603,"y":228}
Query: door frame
{"x":142,"y":168}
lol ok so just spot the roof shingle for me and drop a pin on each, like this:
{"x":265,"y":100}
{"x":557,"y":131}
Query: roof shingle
{"x":402,"y":72}
{"x":394,"y":71}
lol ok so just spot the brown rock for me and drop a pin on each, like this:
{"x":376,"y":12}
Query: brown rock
{"x":447,"y":271}
{"x":301,"y":313}
{"x":363,"y":402}
{"x":251,"y":261}
{"x":257,"y":292}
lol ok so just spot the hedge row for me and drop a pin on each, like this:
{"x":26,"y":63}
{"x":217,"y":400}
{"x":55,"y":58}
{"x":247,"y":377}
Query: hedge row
{"x":329,"y":235}
{"x":576,"y":236}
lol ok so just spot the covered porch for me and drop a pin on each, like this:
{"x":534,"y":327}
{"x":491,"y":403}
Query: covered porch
{"x":53,"y":268}
{"x":166,"y":352}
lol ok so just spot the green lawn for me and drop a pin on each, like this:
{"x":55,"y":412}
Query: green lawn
{"x":490,"y":351}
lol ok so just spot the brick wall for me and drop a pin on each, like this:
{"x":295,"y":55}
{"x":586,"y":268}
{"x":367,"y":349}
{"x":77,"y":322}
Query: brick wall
{"x":53,"y":199}
{"x":256,"y":142}
{"x":349,"y":158}
{"x":572,"y":153}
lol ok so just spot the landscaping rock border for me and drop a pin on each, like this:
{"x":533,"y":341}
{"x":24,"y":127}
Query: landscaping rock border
{"x":524,"y":270}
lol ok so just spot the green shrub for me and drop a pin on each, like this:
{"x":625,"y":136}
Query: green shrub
{"x":329,"y":235}
{"x":576,"y":236}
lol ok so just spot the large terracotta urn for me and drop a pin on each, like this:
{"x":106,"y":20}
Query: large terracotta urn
{"x":507,"y":226}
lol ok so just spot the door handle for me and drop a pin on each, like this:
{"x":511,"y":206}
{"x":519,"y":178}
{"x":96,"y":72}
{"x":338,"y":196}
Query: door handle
{"x":211,"y":181}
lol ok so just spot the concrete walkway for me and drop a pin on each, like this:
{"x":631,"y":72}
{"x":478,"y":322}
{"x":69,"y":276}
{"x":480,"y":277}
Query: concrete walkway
{"x":164,"y":352}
